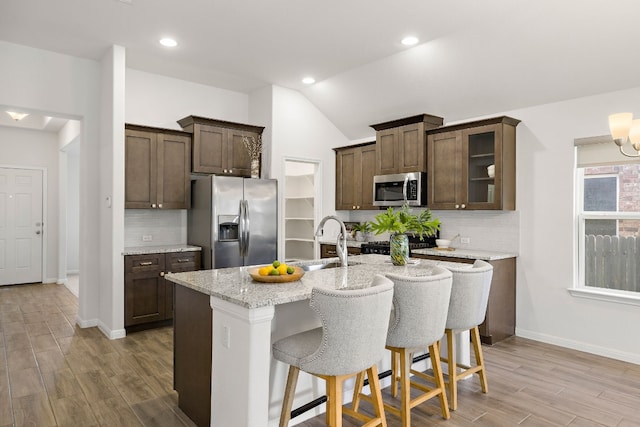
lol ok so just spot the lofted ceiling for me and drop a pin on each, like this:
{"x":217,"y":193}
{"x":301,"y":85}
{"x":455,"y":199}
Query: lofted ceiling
{"x":475,"y":57}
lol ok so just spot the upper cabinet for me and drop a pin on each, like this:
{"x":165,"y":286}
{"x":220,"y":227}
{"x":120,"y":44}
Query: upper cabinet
{"x":401,"y":144}
{"x":355,"y":168}
{"x":472,"y":165}
{"x":157,"y":168}
{"x":218,"y":146}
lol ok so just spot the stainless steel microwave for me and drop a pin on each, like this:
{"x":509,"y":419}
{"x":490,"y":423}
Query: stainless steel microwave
{"x":398,"y":189}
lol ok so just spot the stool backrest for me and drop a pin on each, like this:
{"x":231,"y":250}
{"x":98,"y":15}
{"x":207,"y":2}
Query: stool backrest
{"x":354,"y":328}
{"x":420,"y":306}
{"x":469,"y":295}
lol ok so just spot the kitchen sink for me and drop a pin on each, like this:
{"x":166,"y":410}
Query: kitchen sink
{"x":323,"y":266}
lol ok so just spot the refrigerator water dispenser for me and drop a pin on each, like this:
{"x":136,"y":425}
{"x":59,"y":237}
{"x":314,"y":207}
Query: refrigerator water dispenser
{"x":228,"y":227}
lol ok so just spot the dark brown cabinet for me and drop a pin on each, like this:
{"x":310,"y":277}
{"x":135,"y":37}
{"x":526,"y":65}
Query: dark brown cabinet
{"x":355,"y":168}
{"x":329,"y":251}
{"x":458,"y":160}
{"x":157,"y":168}
{"x":500,"y":320}
{"x":218,"y":146}
{"x":401,"y":144}
{"x":148,"y":296}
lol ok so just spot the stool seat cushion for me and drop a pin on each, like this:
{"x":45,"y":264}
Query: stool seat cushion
{"x":292,"y":350}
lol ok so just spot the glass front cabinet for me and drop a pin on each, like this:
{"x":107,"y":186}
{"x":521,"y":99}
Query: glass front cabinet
{"x":471,"y":166}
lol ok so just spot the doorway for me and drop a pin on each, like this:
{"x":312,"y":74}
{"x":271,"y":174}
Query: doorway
{"x":21,"y":225}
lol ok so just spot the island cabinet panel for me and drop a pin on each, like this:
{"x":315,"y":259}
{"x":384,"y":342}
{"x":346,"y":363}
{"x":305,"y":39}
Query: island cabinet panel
{"x":192,"y":340}
{"x":218,"y":145}
{"x":355,"y":168}
{"x":157,"y":168}
{"x":458,"y":158}
{"x":148,"y":295}
{"x":401,"y":144}
{"x":500,"y":320}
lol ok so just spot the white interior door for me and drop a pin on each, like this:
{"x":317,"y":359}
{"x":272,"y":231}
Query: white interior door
{"x":21,"y":226}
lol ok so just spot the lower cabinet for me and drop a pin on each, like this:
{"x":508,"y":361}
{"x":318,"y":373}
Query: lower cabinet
{"x":148,"y":297}
{"x":329,"y":251}
{"x":500,"y":321}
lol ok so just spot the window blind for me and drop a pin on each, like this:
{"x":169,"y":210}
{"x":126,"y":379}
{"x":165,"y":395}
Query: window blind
{"x":600,"y":151}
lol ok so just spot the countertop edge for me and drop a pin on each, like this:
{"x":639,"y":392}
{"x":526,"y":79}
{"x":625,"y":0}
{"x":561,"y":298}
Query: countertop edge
{"x":465,"y":254}
{"x":160,"y":249}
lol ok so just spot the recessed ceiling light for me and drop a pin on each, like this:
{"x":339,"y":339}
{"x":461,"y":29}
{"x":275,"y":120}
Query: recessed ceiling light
{"x":409,"y":41}
{"x":168,"y":42}
{"x":308,"y":80}
{"x":17,"y":116}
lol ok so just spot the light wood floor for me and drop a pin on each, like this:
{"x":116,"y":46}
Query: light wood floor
{"x":53,"y":373}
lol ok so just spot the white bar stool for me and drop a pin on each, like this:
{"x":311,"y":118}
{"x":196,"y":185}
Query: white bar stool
{"x":351,"y":340}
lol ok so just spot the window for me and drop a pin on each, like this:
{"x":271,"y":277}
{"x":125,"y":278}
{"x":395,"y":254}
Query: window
{"x":608,"y":219}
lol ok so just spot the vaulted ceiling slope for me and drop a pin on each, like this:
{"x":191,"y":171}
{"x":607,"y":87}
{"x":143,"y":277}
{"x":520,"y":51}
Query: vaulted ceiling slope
{"x":475,"y":57}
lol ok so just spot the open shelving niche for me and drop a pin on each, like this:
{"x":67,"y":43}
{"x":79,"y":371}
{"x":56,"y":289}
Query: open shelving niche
{"x":300,"y":210}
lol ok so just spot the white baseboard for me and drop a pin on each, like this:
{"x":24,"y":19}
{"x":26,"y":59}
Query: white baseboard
{"x":61,"y":282}
{"x":580,"y":346}
{"x":111,"y":334}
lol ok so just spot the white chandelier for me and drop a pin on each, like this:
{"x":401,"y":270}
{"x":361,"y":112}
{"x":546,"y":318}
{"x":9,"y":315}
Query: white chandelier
{"x":623,"y":128}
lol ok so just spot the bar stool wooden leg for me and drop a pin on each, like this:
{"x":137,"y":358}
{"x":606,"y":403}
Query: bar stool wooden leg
{"x":376,"y":395}
{"x":287,"y":401}
{"x":405,"y":386}
{"x":434,"y":351}
{"x":477,"y":348}
{"x":357,"y":390}
{"x":453,"y":369}
{"x":394,"y":374}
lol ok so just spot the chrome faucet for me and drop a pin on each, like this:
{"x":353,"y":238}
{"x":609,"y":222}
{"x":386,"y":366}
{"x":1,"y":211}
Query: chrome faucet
{"x":341,"y":242}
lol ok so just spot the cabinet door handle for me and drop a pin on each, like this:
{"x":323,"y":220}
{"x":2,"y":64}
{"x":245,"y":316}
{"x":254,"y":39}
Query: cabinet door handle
{"x":354,"y":207}
{"x":184,"y":260}
{"x":153,"y":205}
{"x":463,"y":206}
{"x":457,"y":206}
{"x":162,"y":274}
{"x":230,"y":171}
{"x":225,"y":171}
{"x":331,"y":252}
{"x":160,"y":205}
{"x":145,"y":263}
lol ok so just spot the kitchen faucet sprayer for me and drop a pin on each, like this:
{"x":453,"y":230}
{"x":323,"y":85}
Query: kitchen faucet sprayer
{"x":341,"y":242}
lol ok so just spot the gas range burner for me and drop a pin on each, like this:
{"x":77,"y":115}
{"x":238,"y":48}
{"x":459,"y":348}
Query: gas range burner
{"x":383,"y":247}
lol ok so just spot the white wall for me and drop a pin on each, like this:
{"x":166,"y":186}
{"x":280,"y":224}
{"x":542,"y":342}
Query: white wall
{"x":159,"y":101}
{"x":37,"y":149}
{"x":545,"y":199}
{"x":301,"y":131}
{"x":41,"y":81}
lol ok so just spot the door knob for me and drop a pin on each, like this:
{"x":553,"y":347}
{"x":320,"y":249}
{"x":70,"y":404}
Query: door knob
{"x":38,"y":232}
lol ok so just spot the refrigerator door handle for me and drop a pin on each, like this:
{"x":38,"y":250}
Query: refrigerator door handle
{"x":242,"y":227}
{"x":247,"y":228}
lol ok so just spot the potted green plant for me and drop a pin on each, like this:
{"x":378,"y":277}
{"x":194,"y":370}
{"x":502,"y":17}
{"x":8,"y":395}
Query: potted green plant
{"x":362,"y":230}
{"x":398,"y":223}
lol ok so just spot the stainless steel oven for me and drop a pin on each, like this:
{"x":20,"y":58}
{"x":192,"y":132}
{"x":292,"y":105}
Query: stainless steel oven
{"x":398,"y":189}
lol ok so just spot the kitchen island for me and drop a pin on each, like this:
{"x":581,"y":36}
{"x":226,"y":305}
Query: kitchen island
{"x":246,"y":317}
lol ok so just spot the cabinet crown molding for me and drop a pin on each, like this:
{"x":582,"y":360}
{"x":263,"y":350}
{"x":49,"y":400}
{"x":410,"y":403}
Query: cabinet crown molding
{"x":491,"y":121}
{"x":191,"y":120}
{"x":429,"y":121}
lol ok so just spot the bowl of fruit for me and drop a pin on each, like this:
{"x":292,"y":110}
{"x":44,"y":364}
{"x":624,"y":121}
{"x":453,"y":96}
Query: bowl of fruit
{"x":276,"y":272}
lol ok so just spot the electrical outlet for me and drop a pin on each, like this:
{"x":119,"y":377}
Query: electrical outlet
{"x":226,"y":336}
{"x":465,"y":240}
{"x":147,"y":237}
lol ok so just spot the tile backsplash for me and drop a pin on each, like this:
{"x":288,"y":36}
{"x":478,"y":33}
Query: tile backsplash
{"x":497,"y":231}
{"x":165,"y":227}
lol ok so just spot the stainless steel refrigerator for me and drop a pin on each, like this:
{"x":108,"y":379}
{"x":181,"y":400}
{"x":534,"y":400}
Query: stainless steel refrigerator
{"x":234,"y":220}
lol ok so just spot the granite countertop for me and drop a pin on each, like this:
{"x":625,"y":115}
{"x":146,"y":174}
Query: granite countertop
{"x":464,"y":253}
{"x":236,"y":286}
{"x":160,"y":249}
